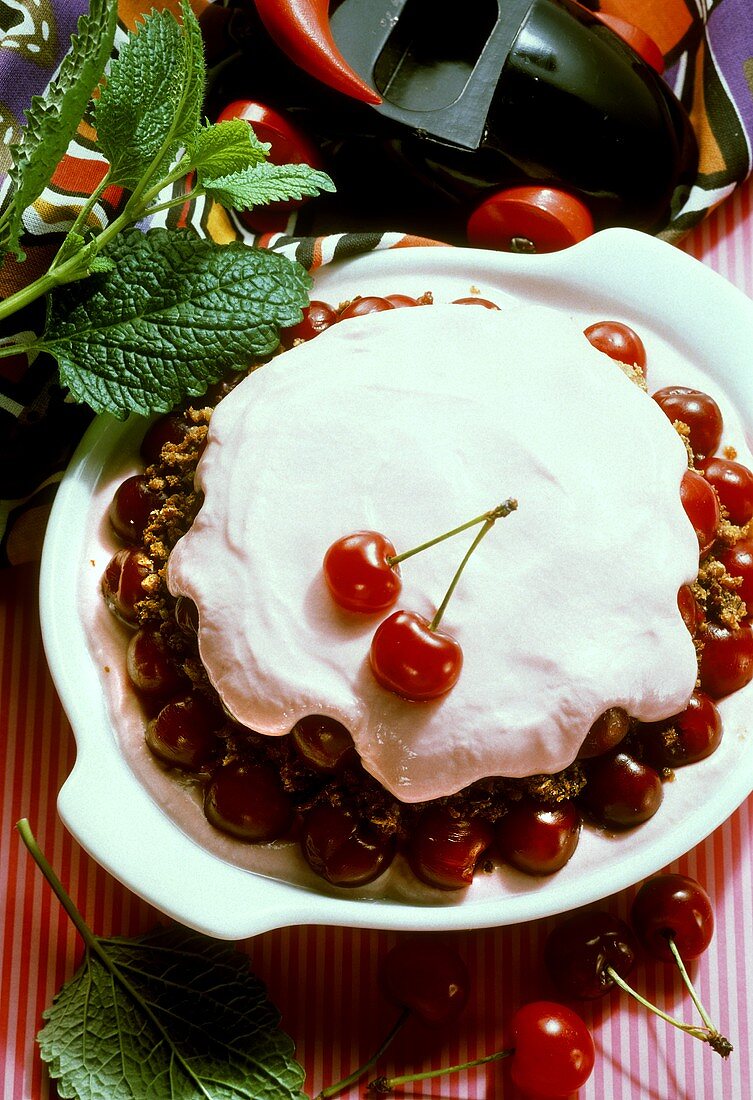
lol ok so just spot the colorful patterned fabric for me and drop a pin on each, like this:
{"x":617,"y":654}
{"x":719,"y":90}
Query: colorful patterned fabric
{"x":708,"y":49}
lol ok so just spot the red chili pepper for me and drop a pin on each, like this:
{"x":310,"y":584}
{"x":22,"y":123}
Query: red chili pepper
{"x":301,"y":29}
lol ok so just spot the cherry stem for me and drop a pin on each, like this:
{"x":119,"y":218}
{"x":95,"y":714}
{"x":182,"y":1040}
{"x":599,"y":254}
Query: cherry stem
{"x":494,"y":513}
{"x":387,"y":1084}
{"x":357,"y":1074}
{"x":720,"y":1044}
{"x":499,"y":512}
{"x":708,"y":1034}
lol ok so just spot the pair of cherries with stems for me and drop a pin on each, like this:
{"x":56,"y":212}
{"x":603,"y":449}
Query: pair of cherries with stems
{"x":409,"y":654}
{"x":552,"y":1052}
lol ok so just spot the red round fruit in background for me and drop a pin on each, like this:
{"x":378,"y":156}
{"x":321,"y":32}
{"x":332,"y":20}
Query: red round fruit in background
{"x":529,"y":219}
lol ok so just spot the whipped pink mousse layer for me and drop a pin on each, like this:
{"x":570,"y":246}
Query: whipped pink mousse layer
{"x":410,"y":422}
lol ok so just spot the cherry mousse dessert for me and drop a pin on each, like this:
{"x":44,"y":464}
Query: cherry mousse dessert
{"x":334,"y":671}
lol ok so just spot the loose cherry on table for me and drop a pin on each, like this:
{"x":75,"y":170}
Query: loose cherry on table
{"x":698,"y":411}
{"x":591,"y":952}
{"x":619,"y":342}
{"x":552,"y":1054}
{"x":429,"y":980}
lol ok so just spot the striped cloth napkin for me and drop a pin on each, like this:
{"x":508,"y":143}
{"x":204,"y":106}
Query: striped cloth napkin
{"x":708,"y":51}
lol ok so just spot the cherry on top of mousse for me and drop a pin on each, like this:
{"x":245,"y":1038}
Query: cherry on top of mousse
{"x":409,"y":655}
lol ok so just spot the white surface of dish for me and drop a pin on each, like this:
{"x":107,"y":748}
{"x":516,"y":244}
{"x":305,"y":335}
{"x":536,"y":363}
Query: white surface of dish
{"x":685,"y":313}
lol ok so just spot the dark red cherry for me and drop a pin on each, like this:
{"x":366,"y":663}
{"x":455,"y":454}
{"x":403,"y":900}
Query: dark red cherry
{"x":317,"y":317}
{"x":184,"y":733}
{"x":685,"y":738}
{"x":690,"y":609}
{"x":444,"y":850}
{"x":122,"y":583}
{"x":726,"y":663}
{"x":170,"y":428}
{"x":358,"y":573}
{"x":400,"y":300}
{"x":583,"y":948}
{"x":411,"y":659}
{"x":538,"y":838}
{"x":131,"y":508}
{"x":369,"y":303}
{"x":608,"y":730}
{"x":342,"y":849}
{"x":673,"y":905}
{"x":620,"y":791}
{"x":553,"y":1051}
{"x":618,"y":341}
{"x":247,"y":801}
{"x":150,"y":667}
{"x":698,"y":411}
{"x":701,"y":506}
{"x":734,"y":485}
{"x":428,"y":977}
{"x":323,"y":743}
{"x":738,"y":561}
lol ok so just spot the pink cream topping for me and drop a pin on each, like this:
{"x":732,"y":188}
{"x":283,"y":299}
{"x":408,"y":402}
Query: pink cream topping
{"x":407,"y":422}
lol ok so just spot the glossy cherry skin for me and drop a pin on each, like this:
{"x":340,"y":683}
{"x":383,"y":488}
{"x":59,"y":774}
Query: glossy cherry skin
{"x":184,"y":733}
{"x":122,"y":583}
{"x":317,"y":318}
{"x":472,"y":301}
{"x":369,"y":303}
{"x":247,"y":801}
{"x":621,"y":792}
{"x":358,"y":573}
{"x":428,"y":977}
{"x":554,"y":1052}
{"x":726,"y":663}
{"x":619,"y":342}
{"x":697,"y":733}
{"x":677,"y":906}
{"x":400,"y":300}
{"x":734,"y":484}
{"x":412,"y":660}
{"x":444,"y":850}
{"x":698,"y":411}
{"x":608,"y":730}
{"x":323,"y":743}
{"x":131,"y":507}
{"x":149,"y":666}
{"x":581,"y":949}
{"x":738,"y":561}
{"x":701,"y":506}
{"x":529,"y":218}
{"x":537,"y":838}
{"x":170,"y":428}
{"x":343,"y":850}
{"x":690,"y":609}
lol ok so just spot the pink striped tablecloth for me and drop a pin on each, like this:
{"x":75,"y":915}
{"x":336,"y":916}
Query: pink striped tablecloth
{"x":337,"y":1024}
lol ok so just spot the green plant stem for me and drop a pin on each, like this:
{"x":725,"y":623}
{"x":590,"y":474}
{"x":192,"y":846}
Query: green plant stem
{"x":357,"y":1074}
{"x":483,"y":518}
{"x":387,"y":1084}
{"x":707,"y":1034}
{"x":92,"y":942}
{"x":496,"y":513}
{"x":83,"y":215}
{"x":170,"y":204}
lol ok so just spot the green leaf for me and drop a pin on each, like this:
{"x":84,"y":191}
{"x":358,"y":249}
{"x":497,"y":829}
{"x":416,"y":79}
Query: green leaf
{"x":174,"y":314}
{"x":267,"y":183}
{"x":52,"y":119}
{"x":170,"y":1015}
{"x":221,"y":148}
{"x":151,"y":103}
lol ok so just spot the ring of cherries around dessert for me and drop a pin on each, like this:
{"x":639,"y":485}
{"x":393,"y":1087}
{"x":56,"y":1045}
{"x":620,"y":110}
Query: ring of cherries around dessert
{"x":617,"y":779}
{"x":587,"y":955}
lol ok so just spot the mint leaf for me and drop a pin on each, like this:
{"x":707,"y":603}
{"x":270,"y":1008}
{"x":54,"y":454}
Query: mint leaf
{"x":221,"y":148}
{"x":151,"y":104}
{"x":267,"y":183}
{"x":170,"y":1015}
{"x":52,"y":119}
{"x":174,"y":314}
